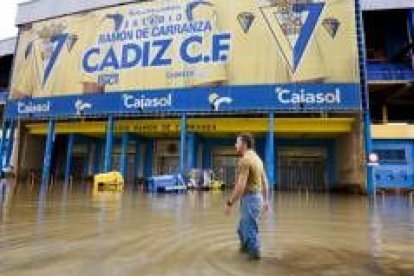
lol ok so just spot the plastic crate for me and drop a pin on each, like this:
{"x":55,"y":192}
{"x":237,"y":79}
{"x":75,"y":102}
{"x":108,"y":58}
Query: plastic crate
{"x":165,"y":183}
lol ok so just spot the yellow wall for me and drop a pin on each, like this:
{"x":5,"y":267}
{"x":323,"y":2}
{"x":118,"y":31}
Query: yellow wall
{"x":328,"y":126}
{"x":392,"y":131}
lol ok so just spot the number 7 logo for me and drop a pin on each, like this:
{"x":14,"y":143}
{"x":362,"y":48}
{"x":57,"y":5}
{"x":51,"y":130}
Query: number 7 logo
{"x":59,"y":41}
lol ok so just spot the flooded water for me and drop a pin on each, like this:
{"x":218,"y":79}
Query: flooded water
{"x":132,"y":233}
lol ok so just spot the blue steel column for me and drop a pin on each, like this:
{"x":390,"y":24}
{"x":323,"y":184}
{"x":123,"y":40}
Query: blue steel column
{"x":3,"y":141}
{"x":270,"y":151}
{"x":48,"y":153}
{"x":9,"y":144}
{"x":109,"y":142}
{"x":136,"y":159}
{"x":192,"y":151}
{"x":124,"y":155}
{"x":69,"y":150}
{"x":149,"y":157}
{"x":365,"y":96}
{"x":183,"y":133}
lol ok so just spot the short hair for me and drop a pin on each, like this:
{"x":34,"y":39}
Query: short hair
{"x":247,"y":139}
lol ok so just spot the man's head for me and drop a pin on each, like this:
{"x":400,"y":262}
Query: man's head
{"x":244,"y":143}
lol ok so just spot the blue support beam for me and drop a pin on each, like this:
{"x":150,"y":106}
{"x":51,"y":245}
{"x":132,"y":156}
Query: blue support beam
{"x":9,"y":144}
{"x":192,"y":151}
{"x":183,"y":134}
{"x":124,"y":155}
{"x":109,"y":143}
{"x":69,"y":150}
{"x":137,"y":157}
{"x":370,"y":186}
{"x":368,"y":150}
{"x":3,"y":141}
{"x":270,"y":151}
{"x":149,"y":157}
{"x":48,"y":154}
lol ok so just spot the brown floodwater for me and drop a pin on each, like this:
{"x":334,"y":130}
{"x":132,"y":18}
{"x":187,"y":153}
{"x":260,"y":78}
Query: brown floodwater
{"x":78,"y":232}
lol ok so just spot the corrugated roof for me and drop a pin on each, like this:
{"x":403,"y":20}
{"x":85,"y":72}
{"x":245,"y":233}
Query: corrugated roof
{"x":42,"y":9}
{"x":7,"y":46}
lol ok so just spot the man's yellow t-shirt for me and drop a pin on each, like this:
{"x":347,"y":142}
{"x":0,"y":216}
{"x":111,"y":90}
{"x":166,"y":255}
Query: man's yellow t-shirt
{"x":252,"y":165}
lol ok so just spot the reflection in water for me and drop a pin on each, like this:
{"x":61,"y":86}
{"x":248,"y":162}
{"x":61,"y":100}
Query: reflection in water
{"x":7,"y":190}
{"x":81,"y":232}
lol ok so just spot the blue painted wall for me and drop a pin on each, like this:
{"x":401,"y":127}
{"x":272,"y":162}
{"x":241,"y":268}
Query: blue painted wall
{"x":392,"y":173}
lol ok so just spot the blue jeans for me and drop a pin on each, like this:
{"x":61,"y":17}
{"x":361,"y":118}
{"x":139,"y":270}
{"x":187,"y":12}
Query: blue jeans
{"x":248,"y":230}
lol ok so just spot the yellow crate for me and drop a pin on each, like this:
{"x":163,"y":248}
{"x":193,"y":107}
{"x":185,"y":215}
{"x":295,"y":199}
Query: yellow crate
{"x":112,"y":181}
{"x":216,"y":184}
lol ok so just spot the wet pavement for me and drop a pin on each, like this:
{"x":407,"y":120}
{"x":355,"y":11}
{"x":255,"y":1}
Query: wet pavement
{"x":79,"y":232}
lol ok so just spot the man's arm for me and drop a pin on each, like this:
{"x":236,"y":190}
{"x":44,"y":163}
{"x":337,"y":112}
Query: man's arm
{"x":238,"y":188}
{"x":265,"y":191}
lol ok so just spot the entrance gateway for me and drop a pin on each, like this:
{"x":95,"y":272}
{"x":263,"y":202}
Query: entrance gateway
{"x":298,"y":168}
{"x":302,"y":168}
{"x":304,"y":149}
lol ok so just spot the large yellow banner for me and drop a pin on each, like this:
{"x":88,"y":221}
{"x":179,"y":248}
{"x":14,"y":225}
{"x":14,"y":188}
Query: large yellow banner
{"x":183,"y":43}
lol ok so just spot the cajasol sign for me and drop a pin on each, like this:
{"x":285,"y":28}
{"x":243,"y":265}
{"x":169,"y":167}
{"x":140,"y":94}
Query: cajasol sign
{"x":142,"y":101}
{"x":288,"y":96}
{"x":299,"y":97}
{"x":33,"y":107}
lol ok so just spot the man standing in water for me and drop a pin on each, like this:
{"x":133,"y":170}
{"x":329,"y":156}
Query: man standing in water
{"x":252,"y":188}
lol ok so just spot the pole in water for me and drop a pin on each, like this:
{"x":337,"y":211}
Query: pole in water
{"x":48,"y":154}
{"x":3,"y":142}
{"x":183,"y":134}
{"x":68,"y":165}
{"x":108,"y":146}
{"x":9,"y":145}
